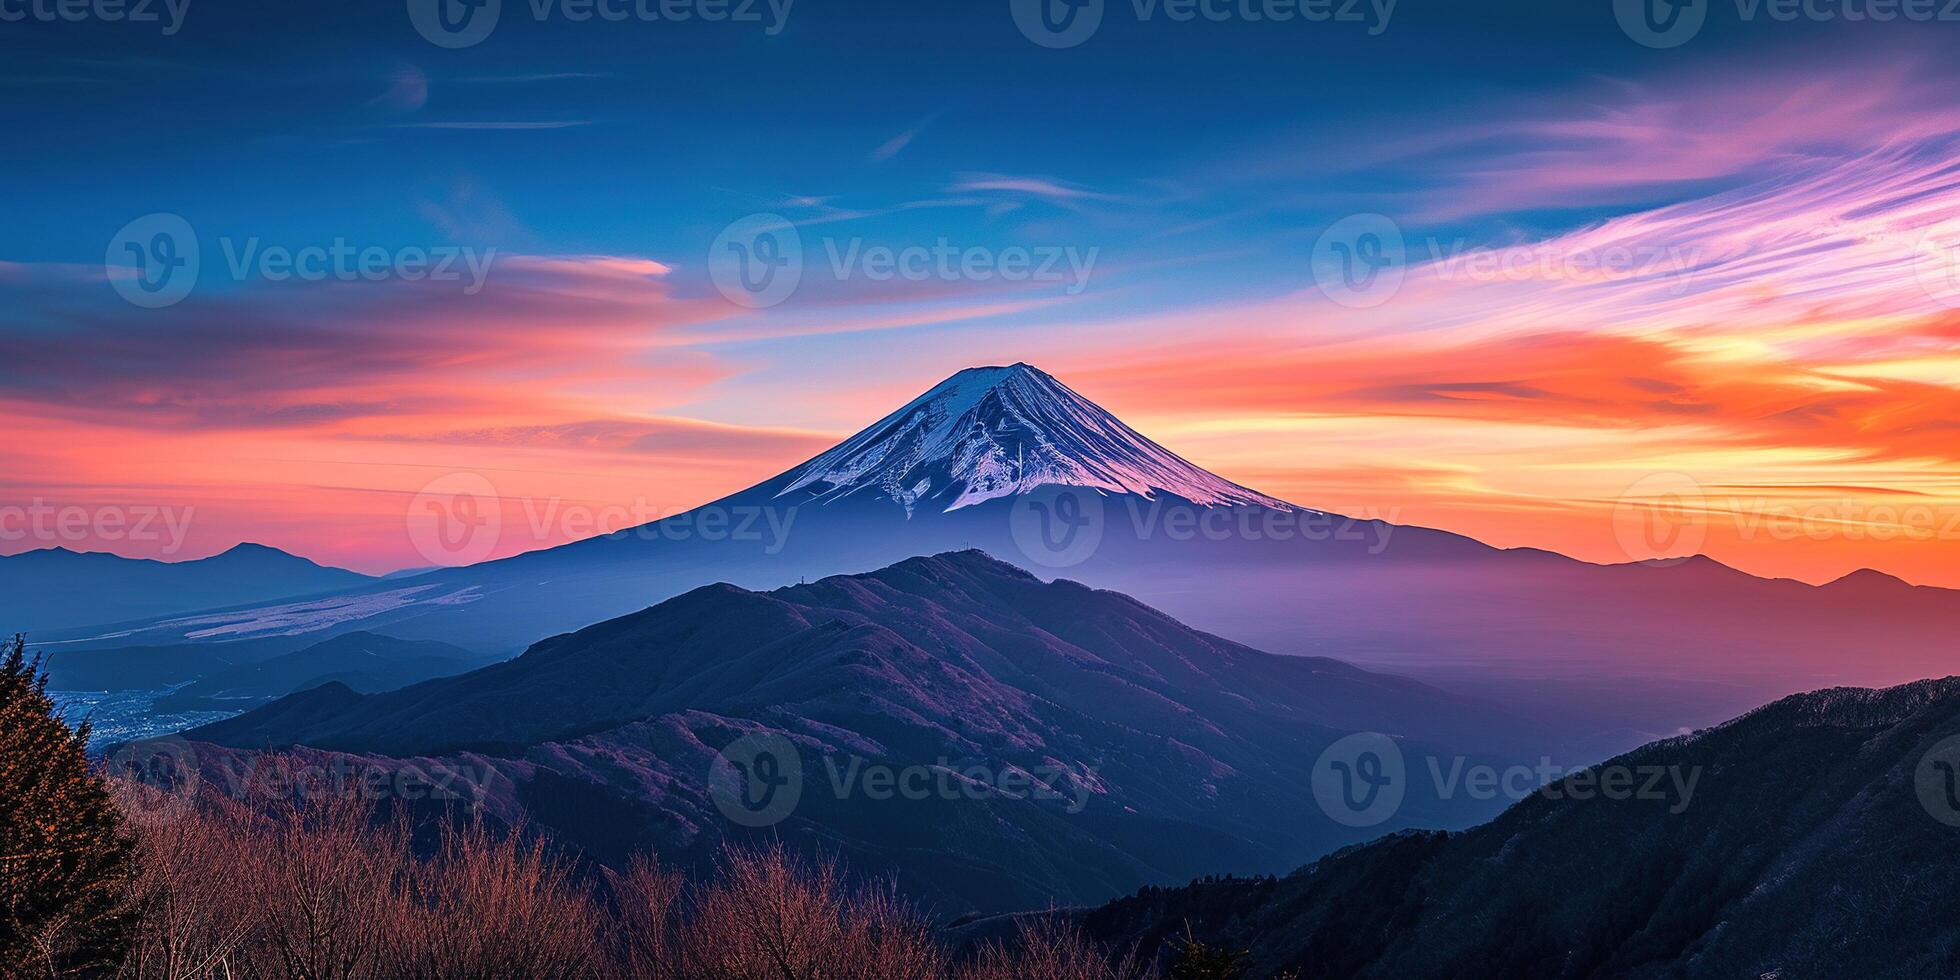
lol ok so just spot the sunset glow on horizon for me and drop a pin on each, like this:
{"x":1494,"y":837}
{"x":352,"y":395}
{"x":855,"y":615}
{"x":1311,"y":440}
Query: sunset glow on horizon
{"x":1740,"y":277}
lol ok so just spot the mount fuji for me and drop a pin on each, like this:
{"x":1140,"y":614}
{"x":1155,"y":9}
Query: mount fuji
{"x":993,"y":432}
{"x":1013,"y":462}
{"x":952,"y":469}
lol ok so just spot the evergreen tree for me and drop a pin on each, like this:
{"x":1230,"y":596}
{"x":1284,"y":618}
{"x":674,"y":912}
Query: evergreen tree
{"x":65,"y":861}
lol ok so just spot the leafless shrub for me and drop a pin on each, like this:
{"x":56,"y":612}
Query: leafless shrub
{"x":319,"y":888}
{"x":328,"y":888}
{"x":647,"y":907}
{"x":768,"y":915}
{"x":491,"y":907}
{"x":193,"y":918}
{"x":1044,"y":949}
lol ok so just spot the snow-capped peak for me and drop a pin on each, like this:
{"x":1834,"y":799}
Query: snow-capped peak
{"x":990,"y":432}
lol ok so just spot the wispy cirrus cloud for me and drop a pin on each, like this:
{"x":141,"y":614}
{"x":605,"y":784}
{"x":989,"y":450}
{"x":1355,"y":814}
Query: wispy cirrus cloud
{"x":408,"y":90}
{"x":1616,"y":143}
{"x":1790,"y":318}
{"x":496,"y":124}
{"x":302,"y":354}
{"x":1044,"y":188}
{"x":897,"y":144}
{"x":674,"y":439}
{"x":272,"y":408}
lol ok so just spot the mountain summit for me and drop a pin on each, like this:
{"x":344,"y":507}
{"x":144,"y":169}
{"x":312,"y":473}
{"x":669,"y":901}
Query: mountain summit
{"x":55,"y":588}
{"x":1161,"y":752}
{"x":959,"y":467}
{"x":990,"y":432}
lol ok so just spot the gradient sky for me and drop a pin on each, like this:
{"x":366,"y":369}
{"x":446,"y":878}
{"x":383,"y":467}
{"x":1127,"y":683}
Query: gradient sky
{"x":1725,"y":266}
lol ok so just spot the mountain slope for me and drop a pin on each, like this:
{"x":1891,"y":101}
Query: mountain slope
{"x":364,"y":662}
{"x":1178,"y":751}
{"x":1815,"y":843}
{"x":1008,"y":460}
{"x":55,"y":588}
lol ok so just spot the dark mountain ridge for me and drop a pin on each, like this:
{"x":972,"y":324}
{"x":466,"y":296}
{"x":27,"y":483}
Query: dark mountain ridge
{"x":364,"y":662}
{"x":975,"y":461}
{"x":1815,"y":843}
{"x":55,"y":588}
{"x":1172,"y":751}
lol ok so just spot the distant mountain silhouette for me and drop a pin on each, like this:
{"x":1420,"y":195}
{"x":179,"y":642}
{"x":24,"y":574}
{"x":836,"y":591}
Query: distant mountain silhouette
{"x":55,"y":588}
{"x":1182,"y":752}
{"x":1817,"y":842}
{"x":1011,"y":461}
{"x":364,"y":662}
